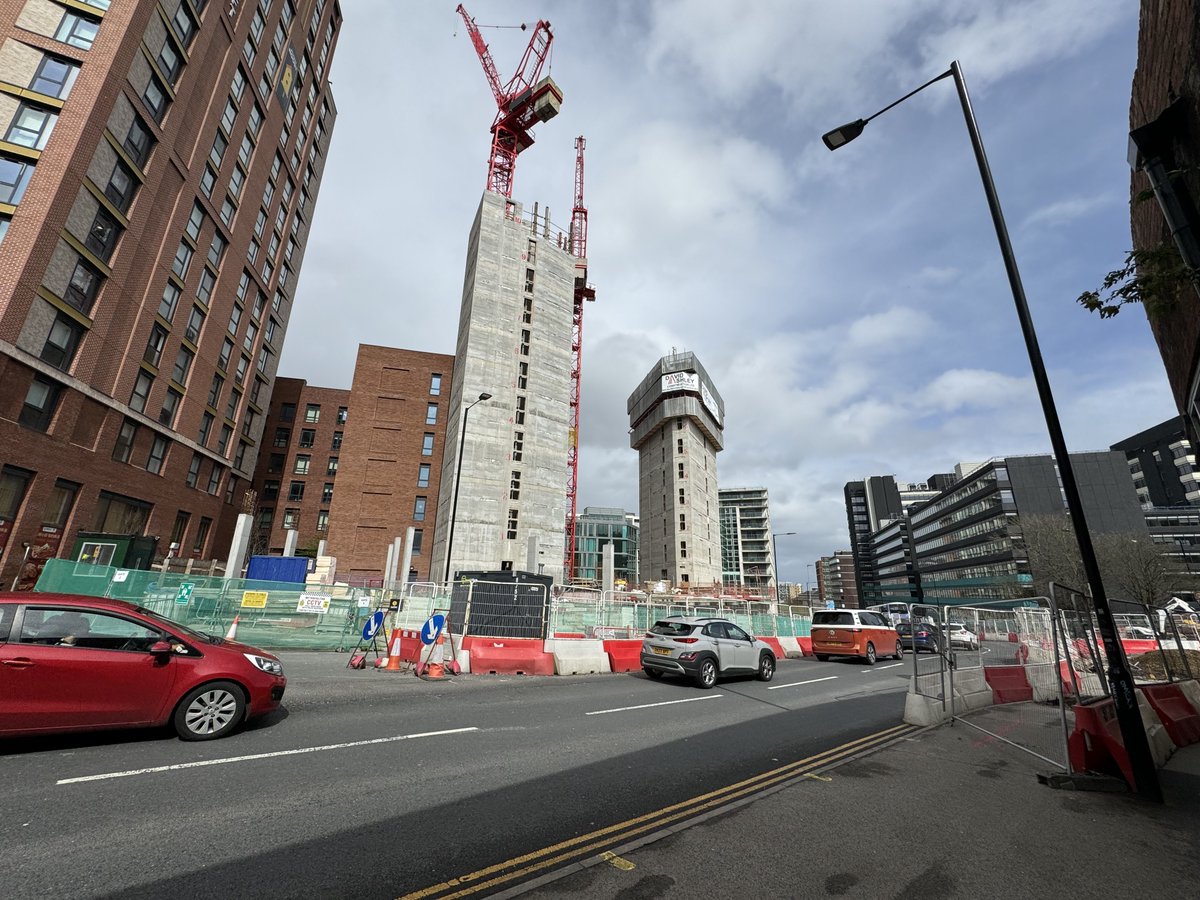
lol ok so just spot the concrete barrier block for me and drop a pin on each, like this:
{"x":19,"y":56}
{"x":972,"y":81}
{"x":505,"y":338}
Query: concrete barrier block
{"x":1191,"y":690}
{"x":923,"y":711}
{"x":579,"y":657}
{"x":1161,"y":745}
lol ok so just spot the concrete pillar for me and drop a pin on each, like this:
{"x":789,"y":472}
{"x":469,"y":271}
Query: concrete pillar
{"x":389,"y":565}
{"x":406,"y":557}
{"x":239,"y":546}
{"x":531,"y":554}
{"x":289,"y":542}
{"x":609,"y":567}
{"x":321,"y":549}
{"x":397,"y":549}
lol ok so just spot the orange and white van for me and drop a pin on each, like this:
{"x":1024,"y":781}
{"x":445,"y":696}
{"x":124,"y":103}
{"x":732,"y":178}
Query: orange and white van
{"x":854,"y":632}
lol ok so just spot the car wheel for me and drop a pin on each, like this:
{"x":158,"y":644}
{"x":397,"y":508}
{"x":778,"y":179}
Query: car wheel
{"x":821,"y":657}
{"x":210,"y":711}
{"x":766,"y":667}
{"x":707,"y":676}
{"x":899,"y":650}
{"x":653,"y":673}
{"x":870,"y":654}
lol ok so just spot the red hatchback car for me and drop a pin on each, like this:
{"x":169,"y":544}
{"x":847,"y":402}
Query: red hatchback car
{"x":70,"y":663}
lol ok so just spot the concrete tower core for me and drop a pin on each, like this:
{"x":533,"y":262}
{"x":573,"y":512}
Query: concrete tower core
{"x":514,"y":342}
{"x":675,"y":419}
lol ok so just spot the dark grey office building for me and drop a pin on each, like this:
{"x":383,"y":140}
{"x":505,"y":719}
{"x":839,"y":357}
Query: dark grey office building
{"x":1163,"y":465}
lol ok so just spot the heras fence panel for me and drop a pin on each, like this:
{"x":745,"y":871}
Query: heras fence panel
{"x":499,"y":609}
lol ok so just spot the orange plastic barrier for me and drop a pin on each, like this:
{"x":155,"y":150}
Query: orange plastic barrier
{"x":624,"y":656}
{"x":1096,"y":744}
{"x":508,"y":656}
{"x":1175,"y":710}
{"x":1009,"y":684}
{"x":805,"y":645}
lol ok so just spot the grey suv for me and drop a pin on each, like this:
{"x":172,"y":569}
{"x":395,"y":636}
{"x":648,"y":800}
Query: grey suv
{"x":704,"y":649}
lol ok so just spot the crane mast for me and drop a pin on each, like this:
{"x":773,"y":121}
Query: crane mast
{"x":583,"y":292}
{"x":524,"y":101}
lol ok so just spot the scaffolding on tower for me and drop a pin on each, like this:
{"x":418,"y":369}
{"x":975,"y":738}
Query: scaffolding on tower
{"x":583,"y":292}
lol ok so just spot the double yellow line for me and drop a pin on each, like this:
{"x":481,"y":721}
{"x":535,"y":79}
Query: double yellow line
{"x":584,"y":845}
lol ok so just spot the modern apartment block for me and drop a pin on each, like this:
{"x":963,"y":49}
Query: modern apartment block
{"x":836,"y":580}
{"x":514,"y":344}
{"x":675,"y":418}
{"x":747,"y":551}
{"x":1163,"y":465}
{"x":597,"y":527}
{"x":294,"y":479}
{"x":159,"y":165}
{"x":389,"y":467}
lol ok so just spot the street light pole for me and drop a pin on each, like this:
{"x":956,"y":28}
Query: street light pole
{"x":1124,"y":695}
{"x":457,"y":476}
{"x":775,"y":558}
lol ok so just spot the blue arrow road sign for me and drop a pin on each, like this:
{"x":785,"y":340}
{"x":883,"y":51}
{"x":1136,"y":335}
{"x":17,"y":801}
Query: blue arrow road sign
{"x":432,"y":628}
{"x":373,"y":625}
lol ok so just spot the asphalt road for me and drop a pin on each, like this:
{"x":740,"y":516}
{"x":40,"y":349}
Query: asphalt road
{"x":376,"y":785}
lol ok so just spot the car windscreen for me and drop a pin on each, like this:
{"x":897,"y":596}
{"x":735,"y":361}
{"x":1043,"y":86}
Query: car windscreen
{"x":833,"y":618}
{"x":671,"y":629}
{"x":181,"y":629}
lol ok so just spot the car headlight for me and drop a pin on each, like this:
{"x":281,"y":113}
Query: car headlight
{"x":270,"y":666}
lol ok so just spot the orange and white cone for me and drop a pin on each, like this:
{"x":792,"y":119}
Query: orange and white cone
{"x":231,"y":634}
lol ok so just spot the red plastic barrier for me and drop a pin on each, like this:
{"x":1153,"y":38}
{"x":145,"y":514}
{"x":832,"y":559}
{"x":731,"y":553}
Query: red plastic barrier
{"x":624,"y":656}
{"x":773,"y":643}
{"x":1134,"y":646}
{"x":508,"y":656}
{"x":1175,"y":710}
{"x":805,"y":645}
{"x":1096,"y":744}
{"x":570,"y":635}
{"x":1009,"y":684}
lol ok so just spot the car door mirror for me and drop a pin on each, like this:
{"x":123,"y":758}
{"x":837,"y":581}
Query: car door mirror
{"x":161,"y":648}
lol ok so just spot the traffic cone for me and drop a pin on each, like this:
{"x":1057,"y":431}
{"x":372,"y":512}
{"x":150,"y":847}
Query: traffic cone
{"x":231,"y":634}
{"x":393,"y":657}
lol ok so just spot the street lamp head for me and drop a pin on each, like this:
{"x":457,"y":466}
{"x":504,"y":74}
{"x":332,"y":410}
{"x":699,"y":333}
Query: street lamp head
{"x":845,"y":134}
{"x":485,"y":396}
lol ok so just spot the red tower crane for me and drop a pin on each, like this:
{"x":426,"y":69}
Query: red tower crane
{"x":520,"y":104}
{"x":583,"y":291}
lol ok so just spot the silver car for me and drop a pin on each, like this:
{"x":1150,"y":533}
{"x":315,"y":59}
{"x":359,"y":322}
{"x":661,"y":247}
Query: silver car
{"x":704,"y":649}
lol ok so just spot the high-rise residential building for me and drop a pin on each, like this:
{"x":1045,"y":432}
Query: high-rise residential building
{"x":159,"y":165}
{"x":595,"y":528}
{"x":1163,"y":465}
{"x":389,"y":467}
{"x":514,"y":344}
{"x":675,"y":418}
{"x":747,"y":551}
{"x":836,"y":581}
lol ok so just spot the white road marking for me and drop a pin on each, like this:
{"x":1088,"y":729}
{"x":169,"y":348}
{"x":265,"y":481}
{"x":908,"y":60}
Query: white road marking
{"x":601,"y":712}
{"x":880,"y":668}
{"x":233,"y":759}
{"x":798,"y":683}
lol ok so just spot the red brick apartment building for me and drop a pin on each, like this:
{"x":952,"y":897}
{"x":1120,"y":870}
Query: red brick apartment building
{"x":159,"y":165}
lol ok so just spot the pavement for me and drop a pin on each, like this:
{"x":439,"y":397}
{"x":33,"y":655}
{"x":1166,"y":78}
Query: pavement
{"x":943,"y":812}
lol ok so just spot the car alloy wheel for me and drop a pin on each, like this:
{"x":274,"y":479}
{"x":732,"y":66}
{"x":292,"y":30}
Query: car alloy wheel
{"x":707,"y":676}
{"x":870,"y":654}
{"x":766,"y":667}
{"x":899,"y":650}
{"x":210,"y":711}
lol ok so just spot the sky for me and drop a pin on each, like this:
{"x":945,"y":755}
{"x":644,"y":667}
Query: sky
{"x":851,"y":307}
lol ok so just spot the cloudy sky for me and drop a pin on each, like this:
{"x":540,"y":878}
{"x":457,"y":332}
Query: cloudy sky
{"x":852,"y":307}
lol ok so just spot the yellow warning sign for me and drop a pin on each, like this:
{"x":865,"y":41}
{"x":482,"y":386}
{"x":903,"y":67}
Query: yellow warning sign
{"x":254,"y":599}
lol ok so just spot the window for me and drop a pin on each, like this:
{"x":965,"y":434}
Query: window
{"x":423,"y":475}
{"x":275,"y":464}
{"x":179,"y":529}
{"x":237,"y":178}
{"x":216,"y":250}
{"x":256,"y":120}
{"x":681,"y":500}
{"x":118,"y":514}
{"x":332,"y":467}
{"x":123,"y":447}
{"x":193,"y":474}
{"x":308,"y":437}
{"x":270,"y":489}
{"x":435,"y":384}
{"x":183,"y":365}
{"x":121,"y":186}
{"x":154,"y":346}
{"x":158,"y":454}
{"x":322,"y":520}
{"x":246,"y":150}
{"x":682,"y":522}
{"x":427,"y":444}
{"x":327,"y":492}
{"x":155,"y":98}
{"x":291,"y":518}
{"x":680,"y":468}
{"x":184,"y":25}
{"x":217,"y":153}
{"x":336,"y":444}
{"x":296,"y":491}
{"x":54,"y":77}
{"x":518,"y":445}
{"x":235,"y":319}
{"x":102,"y":236}
{"x":14,"y":176}
{"x":282,"y":437}
{"x":511,"y":531}
{"x":342,"y":414}
{"x":302,"y":464}
{"x":58,"y":508}
{"x":138,"y":142}
{"x":170,"y":63}
{"x":201,"y":537}
{"x":514,"y":486}
{"x":224,"y":439}
{"x":206,"y":424}
{"x":31,"y":127}
{"x":679,"y":445}
{"x":207,"y":282}
{"x":83,"y":286}
{"x":183,"y":259}
{"x":208,"y":181}
{"x":312,"y":412}
{"x":13,"y":484}
{"x":170,"y":406}
{"x":141,"y":391}
{"x":417,"y":540}
{"x":195,"y":221}
{"x":41,"y":400}
{"x":431,"y":414}
{"x":228,"y":210}
{"x":251,"y":335}
{"x":77,"y":31}
{"x":61,"y":342}
{"x":223,"y":359}
{"x":242,"y":367}
{"x":523,"y":376}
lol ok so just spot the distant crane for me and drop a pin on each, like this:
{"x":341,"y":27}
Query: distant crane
{"x":520,"y":104}
{"x":583,"y":291}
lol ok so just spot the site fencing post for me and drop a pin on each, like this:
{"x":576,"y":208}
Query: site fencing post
{"x":1057,"y":675}
{"x":1066,"y":645}
{"x":1158,"y":641}
{"x":1187,"y":665}
{"x":945,"y":630}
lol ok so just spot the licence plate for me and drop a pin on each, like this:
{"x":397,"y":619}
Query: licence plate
{"x":662,"y":651}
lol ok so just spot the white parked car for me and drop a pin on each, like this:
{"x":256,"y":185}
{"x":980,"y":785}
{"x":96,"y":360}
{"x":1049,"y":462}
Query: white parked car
{"x":961,"y":637}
